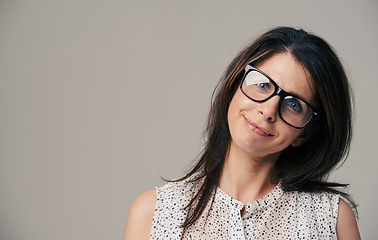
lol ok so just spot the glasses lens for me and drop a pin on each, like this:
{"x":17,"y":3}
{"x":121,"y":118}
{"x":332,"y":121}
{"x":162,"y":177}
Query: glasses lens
{"x":257,"y":86}
{"x":295,"y":111}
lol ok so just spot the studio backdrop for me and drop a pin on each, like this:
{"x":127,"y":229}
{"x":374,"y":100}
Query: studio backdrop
{"x":99,"y":99}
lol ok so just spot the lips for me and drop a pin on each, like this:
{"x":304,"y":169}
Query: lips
{"x":257,"y":129}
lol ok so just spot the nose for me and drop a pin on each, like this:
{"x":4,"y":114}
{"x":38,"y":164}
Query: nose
{"x":269,"y":109}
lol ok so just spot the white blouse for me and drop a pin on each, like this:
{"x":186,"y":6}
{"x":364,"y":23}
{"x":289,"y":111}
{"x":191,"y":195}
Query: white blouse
{"x":278,"y":215}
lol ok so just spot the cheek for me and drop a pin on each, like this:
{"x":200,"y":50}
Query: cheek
{"x":238,"y":106}
{"x":233,"y":108}
{"x":240,"y":103}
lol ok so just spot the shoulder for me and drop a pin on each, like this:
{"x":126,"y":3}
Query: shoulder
{"x":139,"y":219}
{"x":346,"y":227}
{"x":183,"y":190}
{"x":162,"y":206}
{"x":324,"y":200}
{"x":317,"y":204}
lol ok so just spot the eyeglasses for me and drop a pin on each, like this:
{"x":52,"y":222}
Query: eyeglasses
{"x":259,"y":87}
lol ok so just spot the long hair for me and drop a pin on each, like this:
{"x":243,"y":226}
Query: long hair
{"x":303,"y":168}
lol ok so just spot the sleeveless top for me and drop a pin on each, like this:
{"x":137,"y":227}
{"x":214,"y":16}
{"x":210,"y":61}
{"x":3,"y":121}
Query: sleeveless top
{"x":279,"y":215}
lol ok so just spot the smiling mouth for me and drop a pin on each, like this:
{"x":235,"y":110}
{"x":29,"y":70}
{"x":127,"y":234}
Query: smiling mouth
{"x":257,"y":129}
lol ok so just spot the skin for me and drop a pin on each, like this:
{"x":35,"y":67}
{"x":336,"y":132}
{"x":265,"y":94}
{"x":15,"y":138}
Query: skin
{"x":139,"y":219}
{"x":258,"y":137}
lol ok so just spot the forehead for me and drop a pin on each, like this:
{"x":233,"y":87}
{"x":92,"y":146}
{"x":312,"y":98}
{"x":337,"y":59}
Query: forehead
{"x":289,"y":75}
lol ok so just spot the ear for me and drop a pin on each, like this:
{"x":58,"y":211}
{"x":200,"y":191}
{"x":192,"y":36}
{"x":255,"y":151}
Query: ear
{"x":299,"y":140}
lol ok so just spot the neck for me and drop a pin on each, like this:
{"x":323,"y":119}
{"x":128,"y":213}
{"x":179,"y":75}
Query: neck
{"x":247,"y":178}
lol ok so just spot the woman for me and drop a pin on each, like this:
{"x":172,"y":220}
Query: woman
{"x":279,"y":123}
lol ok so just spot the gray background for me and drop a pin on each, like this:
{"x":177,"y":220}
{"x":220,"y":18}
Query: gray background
{"x":98,"y":99}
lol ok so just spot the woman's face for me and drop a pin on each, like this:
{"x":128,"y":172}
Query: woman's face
{"x":256,"y":127}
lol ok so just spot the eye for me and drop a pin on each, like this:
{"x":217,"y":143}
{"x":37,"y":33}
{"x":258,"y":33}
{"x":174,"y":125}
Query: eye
{"x":257,"y":80}
{"x":263,"y":86}
{"x":293,"y":104}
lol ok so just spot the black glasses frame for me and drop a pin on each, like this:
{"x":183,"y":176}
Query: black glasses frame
{"x":278,"y":91}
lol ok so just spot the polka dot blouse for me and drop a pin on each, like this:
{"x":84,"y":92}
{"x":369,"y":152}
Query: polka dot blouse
{"x":278,"y":215}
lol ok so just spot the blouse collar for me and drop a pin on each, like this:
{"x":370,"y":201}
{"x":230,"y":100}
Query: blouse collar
{"x":254,"y":206}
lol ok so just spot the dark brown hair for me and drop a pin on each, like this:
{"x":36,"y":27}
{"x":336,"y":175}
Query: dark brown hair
{"x":303,"y":168}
